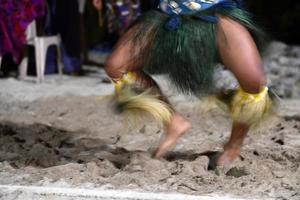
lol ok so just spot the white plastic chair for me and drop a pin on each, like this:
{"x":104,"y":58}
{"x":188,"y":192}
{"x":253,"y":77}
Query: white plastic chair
{"x":41,"y":45}
{"x":81,"y":6}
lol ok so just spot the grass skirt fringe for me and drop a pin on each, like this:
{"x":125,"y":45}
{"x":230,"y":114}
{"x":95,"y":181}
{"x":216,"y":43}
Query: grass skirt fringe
{"x":187,"y":54}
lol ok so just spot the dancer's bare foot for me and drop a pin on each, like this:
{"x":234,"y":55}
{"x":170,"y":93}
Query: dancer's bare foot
{"x":228,"y":156}
{"x":233,"y":147}
{"x":174,"y":130}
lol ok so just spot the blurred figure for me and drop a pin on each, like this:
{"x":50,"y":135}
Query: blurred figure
{"x":184,"y":40}
{"x":15,"y":16}
{"x":118,"y":15}
{"x":65,"y":20}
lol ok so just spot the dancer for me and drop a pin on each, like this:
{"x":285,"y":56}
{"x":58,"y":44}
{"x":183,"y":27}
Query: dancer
{"x":185,"y":40}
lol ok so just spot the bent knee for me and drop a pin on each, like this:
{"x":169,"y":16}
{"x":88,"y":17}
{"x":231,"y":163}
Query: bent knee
{"x":114,"y":68}
{"x":253,"y":83}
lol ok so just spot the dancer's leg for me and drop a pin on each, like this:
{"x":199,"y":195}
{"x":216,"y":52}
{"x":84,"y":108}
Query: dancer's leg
{"x":239,"y":54}
{"x":122,"y":61}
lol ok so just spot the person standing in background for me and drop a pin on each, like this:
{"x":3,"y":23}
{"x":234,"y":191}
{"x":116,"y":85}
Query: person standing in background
{"x":118,"y":14}
{"x":65,"y":21}
{"x":15,"y":16}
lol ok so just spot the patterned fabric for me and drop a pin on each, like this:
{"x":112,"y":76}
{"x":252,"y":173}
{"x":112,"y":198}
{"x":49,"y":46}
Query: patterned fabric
{"x":121,"y":13}
{"x":15,"y":15}
{"x":176,"y":8}
{"x":187,"y":7}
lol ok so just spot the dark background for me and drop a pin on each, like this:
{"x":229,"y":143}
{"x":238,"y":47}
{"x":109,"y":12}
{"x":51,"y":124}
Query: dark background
{"x":281,"y":19}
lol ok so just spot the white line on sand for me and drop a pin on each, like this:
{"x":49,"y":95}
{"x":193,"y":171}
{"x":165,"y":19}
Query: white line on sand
{"x":105,"y":194}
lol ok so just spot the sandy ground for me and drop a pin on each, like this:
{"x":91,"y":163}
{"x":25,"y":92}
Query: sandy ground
{"x":63,"y":134}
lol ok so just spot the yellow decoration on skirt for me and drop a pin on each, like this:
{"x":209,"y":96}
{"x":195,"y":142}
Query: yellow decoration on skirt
{"x":134,"y":101}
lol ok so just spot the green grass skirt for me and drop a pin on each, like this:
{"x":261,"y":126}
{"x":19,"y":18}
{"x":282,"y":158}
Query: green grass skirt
{"x":188,"y":54}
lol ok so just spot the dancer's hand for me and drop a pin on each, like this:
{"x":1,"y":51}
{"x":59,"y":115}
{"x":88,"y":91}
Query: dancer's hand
{"x":97,"y":4}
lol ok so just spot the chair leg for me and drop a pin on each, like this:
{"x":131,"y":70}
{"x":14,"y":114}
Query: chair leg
{"x":59,"y":62}
{"x":43,"y":62}
{"x":23,"y":68}
{"x":0,"y":61}
{"x":37,"y":59}
{"x":40,"y":58}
